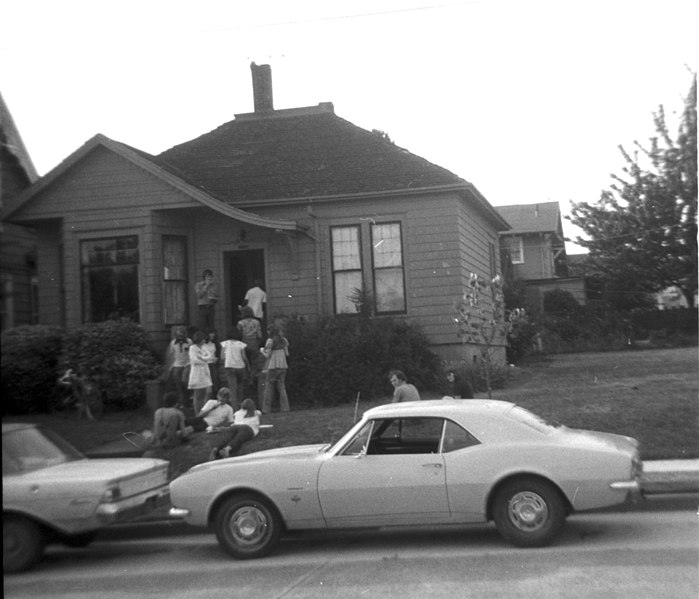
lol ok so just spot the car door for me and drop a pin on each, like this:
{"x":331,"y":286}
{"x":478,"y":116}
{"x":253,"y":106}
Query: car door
{"x":391,"y":472}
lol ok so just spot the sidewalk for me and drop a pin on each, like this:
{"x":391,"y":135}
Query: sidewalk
{"x":670,"y":476}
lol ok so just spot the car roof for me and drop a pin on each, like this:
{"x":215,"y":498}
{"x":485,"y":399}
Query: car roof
{"x":9,"y":427}
{"x":441,"y":408}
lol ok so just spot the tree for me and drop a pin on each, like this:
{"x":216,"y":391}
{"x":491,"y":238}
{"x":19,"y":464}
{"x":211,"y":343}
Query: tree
{"x":486,"y":323}
{"x":642,"y":232}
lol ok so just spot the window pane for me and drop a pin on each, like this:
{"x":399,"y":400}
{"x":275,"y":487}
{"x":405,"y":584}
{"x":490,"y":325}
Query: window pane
{"x":390,"y":294}
{"x":174,"y":258}
{"x":387,"y":245}
{"x":110,"y":278}
{"x":345,"y":285}
{"x":345,"y":242}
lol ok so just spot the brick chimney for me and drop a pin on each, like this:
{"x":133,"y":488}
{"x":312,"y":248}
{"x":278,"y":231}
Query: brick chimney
{"x":262,"y":87}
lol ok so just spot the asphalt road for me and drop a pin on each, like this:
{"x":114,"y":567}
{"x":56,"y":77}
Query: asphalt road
{"x":651,"y":550}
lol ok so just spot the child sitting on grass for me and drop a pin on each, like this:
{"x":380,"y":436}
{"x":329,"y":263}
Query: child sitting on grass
{"x":245,"y":428}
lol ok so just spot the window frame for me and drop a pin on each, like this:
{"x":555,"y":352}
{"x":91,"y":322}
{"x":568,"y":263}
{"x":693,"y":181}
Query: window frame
{"x":86,"y":267}
{"x":334,"y":272}
{"x":520,"y":243}
{"x":167,"y":282}
{"x":375,"y":269}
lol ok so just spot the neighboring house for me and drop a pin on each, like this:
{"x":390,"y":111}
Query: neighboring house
{"x":18,"y":291}
{"x":535,"y":246}
{"x":302,"y":199}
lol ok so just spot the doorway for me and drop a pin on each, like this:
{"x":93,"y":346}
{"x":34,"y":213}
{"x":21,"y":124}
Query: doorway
{"x":242,"y":267}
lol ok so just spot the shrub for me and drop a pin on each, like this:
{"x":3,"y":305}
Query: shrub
{"x":29,"y":369}
{"x":475,"y":375}
{"x":333,"y":360}
{"x":117,"y":356}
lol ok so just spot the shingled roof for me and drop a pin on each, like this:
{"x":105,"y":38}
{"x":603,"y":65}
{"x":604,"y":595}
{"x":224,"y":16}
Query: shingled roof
{"x":298,"y":153}
{"x":532,"y":218}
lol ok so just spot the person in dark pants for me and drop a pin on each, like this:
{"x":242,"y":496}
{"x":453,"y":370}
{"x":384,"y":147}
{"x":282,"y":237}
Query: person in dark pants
{"x":246,"y":427}
{"x":457,"y":387}
{"x":207,"y":296}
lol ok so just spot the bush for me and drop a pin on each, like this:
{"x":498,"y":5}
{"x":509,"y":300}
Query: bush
{"x":117,"y":356}
{"x":475,"y":374}
{"x":29,"y":369}
{"x":333,"y":360}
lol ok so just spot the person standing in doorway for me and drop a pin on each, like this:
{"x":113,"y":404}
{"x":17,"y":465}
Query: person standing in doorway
{"x":207,"y":296}
{"x":256,"y":298}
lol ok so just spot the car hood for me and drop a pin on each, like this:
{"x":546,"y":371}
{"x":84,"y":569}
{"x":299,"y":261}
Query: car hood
{"x":297,"y":452}
{"x":598,"y":440}
{"x":107,"y":470}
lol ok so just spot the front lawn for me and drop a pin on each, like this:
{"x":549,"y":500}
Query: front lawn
{"x":650,"y":395}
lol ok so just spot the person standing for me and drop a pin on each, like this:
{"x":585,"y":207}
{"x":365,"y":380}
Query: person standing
{"x":251,"y":335}
{"x":199,"y":375}
{"x":236,"y":364}
{"x":256,"y":298}
{"x":213,"y":348}
{"x":402,"y":389}
{"x":177,"y":359}
{"x":207,"y":296}
{"x":276,"y":350}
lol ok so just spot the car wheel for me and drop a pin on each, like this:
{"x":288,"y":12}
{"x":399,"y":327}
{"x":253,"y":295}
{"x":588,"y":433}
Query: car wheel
{"x":247,"y":526}
{"x":529,"y":512}
{"x":79,"y":540}
{"x":22,"y":543}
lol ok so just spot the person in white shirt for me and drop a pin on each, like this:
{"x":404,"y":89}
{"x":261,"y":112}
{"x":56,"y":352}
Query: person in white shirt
{"x":235,"y":363}
{"x":246,"y":427}
{"x":216,"y":413}
{"x":256,"y":298}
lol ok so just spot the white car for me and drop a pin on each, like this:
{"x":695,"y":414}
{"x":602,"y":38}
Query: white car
{"x":419,"y":463}
{"x":52,"y":493}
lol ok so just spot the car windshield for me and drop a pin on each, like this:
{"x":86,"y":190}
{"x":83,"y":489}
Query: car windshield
{"x":33,"y":448}
{"x":533,"y":421}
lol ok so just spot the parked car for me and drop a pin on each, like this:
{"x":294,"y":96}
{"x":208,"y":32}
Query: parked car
{"x":52,"y":493}
{"x":419,"y":463}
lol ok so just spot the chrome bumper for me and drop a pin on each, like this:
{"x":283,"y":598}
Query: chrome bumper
{"x":178,"y":512}
{"x":133,"y":507}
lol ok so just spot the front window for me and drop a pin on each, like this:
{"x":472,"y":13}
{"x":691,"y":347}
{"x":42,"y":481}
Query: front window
{"x":110,"y":278}
{"x":389,"y":282}
{"x":175,"y":280}
{"x":513,"y":245}
{"x":347,"y":267}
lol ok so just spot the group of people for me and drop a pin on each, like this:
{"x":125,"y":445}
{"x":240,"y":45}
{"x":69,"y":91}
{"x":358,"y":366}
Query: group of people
{"x":198,"y":365}
{"x":455,"y":387}
{"x":171,"y":428}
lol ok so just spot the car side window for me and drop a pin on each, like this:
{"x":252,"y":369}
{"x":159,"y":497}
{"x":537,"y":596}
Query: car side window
{"x":360,"y":442}
{"x":401,"y":436}
{"x":456,"y":437}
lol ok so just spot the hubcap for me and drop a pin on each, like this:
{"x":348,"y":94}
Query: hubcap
{"x":528,"y":511}
{"x":248,"y":525}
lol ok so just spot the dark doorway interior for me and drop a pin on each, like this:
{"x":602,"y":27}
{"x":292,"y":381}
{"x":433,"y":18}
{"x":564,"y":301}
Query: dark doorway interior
{"x":242,"y":268}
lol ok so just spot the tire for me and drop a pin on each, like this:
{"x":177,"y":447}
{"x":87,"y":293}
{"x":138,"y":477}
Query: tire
{"x":80,"y":540}
{"x":529,"y":512}
{"x":247,"y":526}
{"x":23,"y":543}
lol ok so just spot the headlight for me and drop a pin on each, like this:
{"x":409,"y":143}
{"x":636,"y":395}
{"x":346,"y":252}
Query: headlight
{"x":111,"y":494}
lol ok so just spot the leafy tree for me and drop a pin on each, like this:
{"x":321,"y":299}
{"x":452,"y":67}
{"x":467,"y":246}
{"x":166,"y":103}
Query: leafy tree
{"x":485,"y":322}
{"x":642,"y":232}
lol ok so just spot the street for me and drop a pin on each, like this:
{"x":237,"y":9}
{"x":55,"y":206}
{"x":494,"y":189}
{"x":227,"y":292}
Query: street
{"x":651,"y":550}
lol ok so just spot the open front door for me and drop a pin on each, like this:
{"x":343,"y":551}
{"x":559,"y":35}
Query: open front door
{"x":242,"y":268}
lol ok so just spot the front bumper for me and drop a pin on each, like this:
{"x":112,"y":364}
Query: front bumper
{"x":134,"y":506}
{"x":178,"y":512}
{"x":632,"y":488}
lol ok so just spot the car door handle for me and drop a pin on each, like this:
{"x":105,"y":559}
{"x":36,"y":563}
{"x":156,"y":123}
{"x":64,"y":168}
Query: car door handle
{"x":432,"y":465}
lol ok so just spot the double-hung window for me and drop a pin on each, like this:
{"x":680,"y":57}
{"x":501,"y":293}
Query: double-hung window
{"x":386,"y":281}
{"x":175,"y":279}
{"x":513,"y":245}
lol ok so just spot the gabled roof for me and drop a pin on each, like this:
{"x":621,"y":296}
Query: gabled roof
{"x":14,"y":143}
{"x":306,"y":153}
{"x":532,"y":218}
{"x":147,"y":163}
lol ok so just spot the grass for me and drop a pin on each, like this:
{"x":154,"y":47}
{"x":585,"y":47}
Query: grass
{"x":650,"y":395}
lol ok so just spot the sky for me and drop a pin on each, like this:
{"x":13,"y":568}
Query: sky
{"x":527,"y":100}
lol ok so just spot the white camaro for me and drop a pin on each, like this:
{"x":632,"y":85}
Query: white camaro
{"x":419,"y":463}
{"x":51,"y":492}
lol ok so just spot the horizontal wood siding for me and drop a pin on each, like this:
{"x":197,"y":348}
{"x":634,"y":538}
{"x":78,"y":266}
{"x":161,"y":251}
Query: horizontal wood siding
{"x":50,"y":273}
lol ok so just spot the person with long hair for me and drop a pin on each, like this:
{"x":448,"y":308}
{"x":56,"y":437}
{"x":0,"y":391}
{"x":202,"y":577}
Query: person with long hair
{"x":276,"y":350}
{"x":177,"y":361}
{"x":246,"y":427}
{"x":199,"y":375}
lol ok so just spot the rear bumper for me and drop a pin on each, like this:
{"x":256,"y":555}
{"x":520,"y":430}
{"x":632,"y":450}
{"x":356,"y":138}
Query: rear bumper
{"x":133,"y":507}
{"x":632,"y":487}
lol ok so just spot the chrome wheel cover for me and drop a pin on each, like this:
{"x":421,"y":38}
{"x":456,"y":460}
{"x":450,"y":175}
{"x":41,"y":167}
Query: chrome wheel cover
{"x":528,"y":511}
{"x":248,"y":525}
